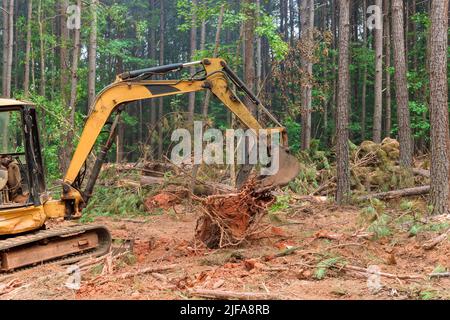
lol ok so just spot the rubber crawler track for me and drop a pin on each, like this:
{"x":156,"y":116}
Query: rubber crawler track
{"x":103,"y":248}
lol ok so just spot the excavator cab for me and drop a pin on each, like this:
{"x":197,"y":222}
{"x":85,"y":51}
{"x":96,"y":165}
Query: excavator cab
{"x":21,"y":170}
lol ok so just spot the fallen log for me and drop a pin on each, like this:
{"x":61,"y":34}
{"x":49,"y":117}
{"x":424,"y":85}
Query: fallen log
{"x":227,"y":295}
{"x":415,"y":191}
{"x":150,"y":180}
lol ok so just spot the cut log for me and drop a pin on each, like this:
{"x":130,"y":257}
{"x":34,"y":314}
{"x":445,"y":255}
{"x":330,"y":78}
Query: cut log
{"x":397,"y":193}
{"x":149,"y":180}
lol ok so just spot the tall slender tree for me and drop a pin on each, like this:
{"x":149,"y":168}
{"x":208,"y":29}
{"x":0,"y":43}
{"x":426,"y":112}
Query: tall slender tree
{"x":343,"y":105}
{"x":249,"y":49}
{"x":162,"y":30}
{"x":193,"y":46}
{"x":307,"y":39}
{"x":26,"y":80}
{"x":401,"y":92}
{"x":378,"y":105}
{"x":92,"y":54}
{"x":387,"y":42}
{"x":439,"y":192}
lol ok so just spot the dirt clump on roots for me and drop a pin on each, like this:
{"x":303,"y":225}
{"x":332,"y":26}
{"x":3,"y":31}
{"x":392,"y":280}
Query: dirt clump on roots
{"x":230,"y":219}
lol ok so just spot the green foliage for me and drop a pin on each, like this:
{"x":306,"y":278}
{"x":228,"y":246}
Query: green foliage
{"x":326,"y":264}
{"x":281,"y":203}
{"x":269,"y":29}
{"x":380,"y":227}
{"x":108,"y":201}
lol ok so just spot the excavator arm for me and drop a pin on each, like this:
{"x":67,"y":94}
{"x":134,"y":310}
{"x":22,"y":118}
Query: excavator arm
{"x":137,"y":85}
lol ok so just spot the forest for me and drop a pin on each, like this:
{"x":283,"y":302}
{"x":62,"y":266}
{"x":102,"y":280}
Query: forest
{"x":361,"y":88}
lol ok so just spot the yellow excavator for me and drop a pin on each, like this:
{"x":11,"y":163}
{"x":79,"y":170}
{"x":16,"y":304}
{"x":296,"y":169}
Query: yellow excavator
{"x":25,"y":204}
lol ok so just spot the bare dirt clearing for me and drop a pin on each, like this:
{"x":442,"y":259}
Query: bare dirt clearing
{"x":316,"y":252}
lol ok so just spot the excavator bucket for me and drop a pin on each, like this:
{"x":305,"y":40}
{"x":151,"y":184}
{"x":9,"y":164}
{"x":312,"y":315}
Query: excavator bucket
{"x":288,"y":169}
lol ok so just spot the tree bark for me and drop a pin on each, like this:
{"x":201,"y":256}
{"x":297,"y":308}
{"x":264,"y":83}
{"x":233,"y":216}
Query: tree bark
{"x":64,"y":63}
{"x":42,"y":84}
{"x":378,"y":104}
{"x":161,"y":62}
{"x":249,"y":54}
{"x":343,"y":99}
{"x":364,"y":81}
{"x":193,"y":45}
{"x":26,"y":80}
{"x":307,"y":39}
{"x":92,"y":55}
{"x":73,"y":91}
{"x":387,"y":41}
{"x":5,"y":34}
{"x":439,"y":193}
{"x":403,"y":116}
{"x":215,"y":52}
{"x":9,"y":35}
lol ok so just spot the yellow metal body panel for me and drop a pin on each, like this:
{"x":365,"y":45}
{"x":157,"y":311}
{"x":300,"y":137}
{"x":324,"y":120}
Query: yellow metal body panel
{"x":18,"y":220}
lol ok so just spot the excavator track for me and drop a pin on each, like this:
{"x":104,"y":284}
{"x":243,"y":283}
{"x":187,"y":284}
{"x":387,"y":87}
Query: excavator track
{"x":68,"y":244}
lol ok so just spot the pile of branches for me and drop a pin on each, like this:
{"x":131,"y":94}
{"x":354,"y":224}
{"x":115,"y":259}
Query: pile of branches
{"x":230,"y":219}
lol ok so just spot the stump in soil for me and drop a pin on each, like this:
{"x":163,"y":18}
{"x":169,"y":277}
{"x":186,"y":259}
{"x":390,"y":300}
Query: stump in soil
{"x":230,"y":219}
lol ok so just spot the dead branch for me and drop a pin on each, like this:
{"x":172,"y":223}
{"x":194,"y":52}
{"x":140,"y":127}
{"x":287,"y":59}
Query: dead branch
{"x":384,"y":274}
{"x":127,"y":275}
{"x":439,"y":274}
{"x":228,"y":295}
{"x":430,"y":244}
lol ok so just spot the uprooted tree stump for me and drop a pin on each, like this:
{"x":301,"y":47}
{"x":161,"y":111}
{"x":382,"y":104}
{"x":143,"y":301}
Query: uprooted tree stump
{"x":231,"y":218}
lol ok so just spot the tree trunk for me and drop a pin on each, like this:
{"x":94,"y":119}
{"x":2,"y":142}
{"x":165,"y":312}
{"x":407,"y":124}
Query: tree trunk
{"x":92,"y":55}
{"x":161,"y":62}
{"x":404,"y":127}
{"x":26,"y":80}
{"x":307,"y":39}
{"x":291,"y":22}
{"x":249,"y":54}
{"x":364,"y":81}
{"x":9,"y":49}
{"x":73,"y":90}
{"x":387,"y":31}
{"x":42,"y":83}
{"x":5,"y":46}
{"x":193,"y":41}
{"x":342,"y":121}
{"x":439,"y":192}
{"x":259,"y":47}
{"x":152,"y":55}
{"x":378,"y":104}
{"x":203,"y":36}
{"x":64,"y":63}
{"x":215,"y":52}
